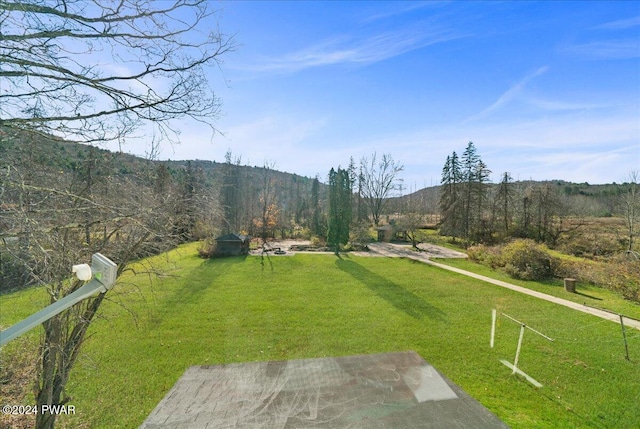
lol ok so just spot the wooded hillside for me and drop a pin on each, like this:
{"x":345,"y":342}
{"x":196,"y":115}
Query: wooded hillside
{"x":60,"y":195}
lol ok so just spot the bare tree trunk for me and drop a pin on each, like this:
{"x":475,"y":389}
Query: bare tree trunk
{"x":630,"y":205}
{"x":59,"y":353}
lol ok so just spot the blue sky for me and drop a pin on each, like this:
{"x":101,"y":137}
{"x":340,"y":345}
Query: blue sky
{"x":547,"y":90}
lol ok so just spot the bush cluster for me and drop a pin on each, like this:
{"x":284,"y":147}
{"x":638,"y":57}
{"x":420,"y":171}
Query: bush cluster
{"x":208,"y":248}
{"x":591,"y":245}
{"x":521,"y":259}
{"x":619,"y":273}
{"x":623,"y":276}
{"x":317,"y":241}
{"x":486,"y":255}
{"x":527,"y":260}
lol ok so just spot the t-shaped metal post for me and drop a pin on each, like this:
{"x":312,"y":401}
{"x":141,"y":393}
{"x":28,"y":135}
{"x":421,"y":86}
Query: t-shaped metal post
{"x":104,"y":277}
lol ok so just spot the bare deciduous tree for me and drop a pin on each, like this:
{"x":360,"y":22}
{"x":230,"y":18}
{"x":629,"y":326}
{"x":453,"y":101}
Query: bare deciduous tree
{"x":378,"y":181}
{"x":630,"y":208}
{"x":268,"y":208}
{"x":58,"y":219}
{"x":412,"y":218}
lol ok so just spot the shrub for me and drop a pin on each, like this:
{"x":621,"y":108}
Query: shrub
{"x":590,"y":244}
{"x":485,"y":255}
{"x":208,"y":248}
{"x":300,"y":233}
{"x":317,"y":241}
{"x":622,"y":275}
{"x":579,"y":270}
{"x":359,"y":237}
{"x":526,"y":260}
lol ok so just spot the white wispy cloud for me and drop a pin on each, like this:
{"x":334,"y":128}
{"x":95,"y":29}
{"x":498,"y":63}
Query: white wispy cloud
{"x":578,"y":146}
{"x":620,"y":24}
{"x":604,"y":49}
{"x":577,"y":158}
{"x":279,"y":138}
{"x":402,"y":11}
{"x":560,"y":105}
{"x":357,"y":49}
{"x":582,"y":165}
{"x":509,"y":94}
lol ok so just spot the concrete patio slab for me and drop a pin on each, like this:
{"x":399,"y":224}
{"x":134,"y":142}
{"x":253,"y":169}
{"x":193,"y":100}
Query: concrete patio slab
{"x":390,"y":390}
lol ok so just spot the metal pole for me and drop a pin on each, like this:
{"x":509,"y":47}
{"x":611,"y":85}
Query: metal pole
{"x":515,"y":362}
{"x":48,"y":312}
{"x":624,"y":336}
{"x":528,"y":327}
{"x":104,"y":272}
{"x":494,"y":315}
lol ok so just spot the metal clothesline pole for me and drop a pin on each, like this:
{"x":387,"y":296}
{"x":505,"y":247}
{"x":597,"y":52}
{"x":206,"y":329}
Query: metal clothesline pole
{"x":514,"y":366}
{"x":527,"y":326}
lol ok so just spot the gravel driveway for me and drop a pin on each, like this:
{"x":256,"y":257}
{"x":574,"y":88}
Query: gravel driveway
{"x":428,"y":251}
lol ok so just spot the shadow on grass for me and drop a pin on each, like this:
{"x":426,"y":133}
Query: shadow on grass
{"x":203,"y":277}
{"x":400,"y":298}
{"x":560,"y":283}
{"x":588,"y":296}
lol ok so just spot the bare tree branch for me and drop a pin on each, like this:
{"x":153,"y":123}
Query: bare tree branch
{"x":96,"y":71}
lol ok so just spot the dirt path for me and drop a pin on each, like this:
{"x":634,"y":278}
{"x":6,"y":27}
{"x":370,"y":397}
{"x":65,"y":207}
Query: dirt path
{"x":431,"y":251}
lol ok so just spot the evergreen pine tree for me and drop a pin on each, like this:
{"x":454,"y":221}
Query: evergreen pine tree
{"x":450,"y":198}
{"x":470,"y":161}
{"x":339,"y":208}
{"x":316,"y":215}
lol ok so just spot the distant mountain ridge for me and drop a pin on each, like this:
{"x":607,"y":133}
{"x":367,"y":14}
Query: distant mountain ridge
{"x":55,"y":153}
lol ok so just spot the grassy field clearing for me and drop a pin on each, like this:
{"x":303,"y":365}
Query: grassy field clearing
{"x":586,"y":294}
{"x":237,"y":310}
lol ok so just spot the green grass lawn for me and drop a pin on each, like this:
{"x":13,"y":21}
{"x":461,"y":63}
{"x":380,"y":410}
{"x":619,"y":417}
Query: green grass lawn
{"x":304,"y":306}
{"x":586,"y":294}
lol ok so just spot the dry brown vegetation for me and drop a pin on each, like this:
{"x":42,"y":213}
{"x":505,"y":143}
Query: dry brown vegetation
{"x":594,"y":253}
{"x":17,"y":381}
{"x":594,"y":237}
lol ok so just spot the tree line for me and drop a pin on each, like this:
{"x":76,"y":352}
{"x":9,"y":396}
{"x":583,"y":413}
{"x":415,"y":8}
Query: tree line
{"x":359,"y":197}
{"x":474,"y":210}
{"x":268,"y":204}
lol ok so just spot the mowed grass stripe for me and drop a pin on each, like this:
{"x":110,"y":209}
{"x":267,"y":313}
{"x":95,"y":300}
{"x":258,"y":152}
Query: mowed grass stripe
{"x":240,"y":310}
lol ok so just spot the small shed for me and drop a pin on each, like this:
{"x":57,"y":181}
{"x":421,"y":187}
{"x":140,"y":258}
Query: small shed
{"x":232,"y":245}
{"x":385,"y":233}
